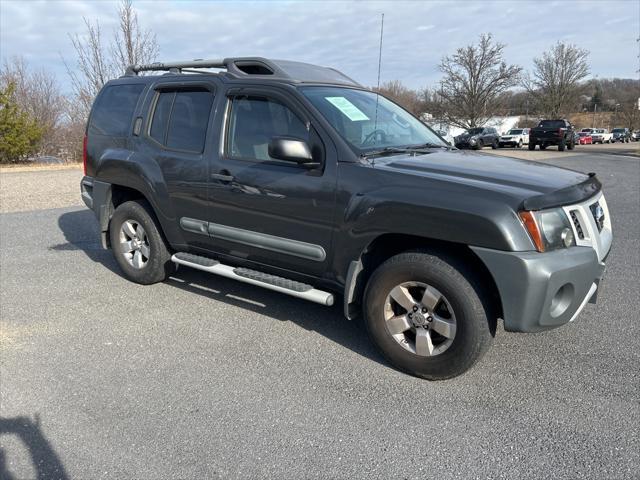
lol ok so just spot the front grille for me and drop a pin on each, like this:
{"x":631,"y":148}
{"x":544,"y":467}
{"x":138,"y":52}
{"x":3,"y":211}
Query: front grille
{"x":598,"y":215}
{"x":576,"y":223}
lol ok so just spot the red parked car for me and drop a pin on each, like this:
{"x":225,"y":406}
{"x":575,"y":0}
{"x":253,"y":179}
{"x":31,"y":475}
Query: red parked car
{"x":585,"y":138}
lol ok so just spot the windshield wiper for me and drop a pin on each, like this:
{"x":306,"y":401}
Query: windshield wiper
{"x":386,"y":150}
{"x":408,"y":149}
{"x":429,"y":145}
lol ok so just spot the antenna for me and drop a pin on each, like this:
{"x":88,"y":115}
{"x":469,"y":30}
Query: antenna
{"x":375,"y":127}
{"x":380,"y":51}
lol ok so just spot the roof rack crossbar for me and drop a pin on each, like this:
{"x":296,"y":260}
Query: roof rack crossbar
{"x":167,"y":66}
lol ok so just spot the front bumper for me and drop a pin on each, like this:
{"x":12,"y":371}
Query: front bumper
{"x":541,"y":291}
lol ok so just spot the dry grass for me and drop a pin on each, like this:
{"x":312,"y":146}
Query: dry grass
{"x":24,"y":167}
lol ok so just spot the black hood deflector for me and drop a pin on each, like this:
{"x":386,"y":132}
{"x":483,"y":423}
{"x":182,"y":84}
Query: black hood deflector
{"x":565,"y":196}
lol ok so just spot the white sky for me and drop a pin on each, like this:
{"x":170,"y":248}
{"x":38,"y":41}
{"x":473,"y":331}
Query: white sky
{"x":341,"y":34}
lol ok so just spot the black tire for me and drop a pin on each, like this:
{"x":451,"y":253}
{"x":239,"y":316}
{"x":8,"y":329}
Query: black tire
{"x":474,"y":330}
{"x":561,"y":146}
{"x":571,"y":145}
{"x":520,"y":144}
{"x":532,"y":146}
{"x":478,"y":145}
{"x":494,"y":145}
{"x":158,"y":265}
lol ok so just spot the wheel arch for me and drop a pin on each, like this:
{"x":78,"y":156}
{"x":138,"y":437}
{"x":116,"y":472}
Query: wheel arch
{"x":119,"y":194}
{"x":387,"y":245}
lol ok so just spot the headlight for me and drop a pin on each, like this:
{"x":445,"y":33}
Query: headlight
{"x":549,"y":229}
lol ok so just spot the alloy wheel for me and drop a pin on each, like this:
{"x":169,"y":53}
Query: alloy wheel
{"x":134,"y":244}
{"x":420,"y":318}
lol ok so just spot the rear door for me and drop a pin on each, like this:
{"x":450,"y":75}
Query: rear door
{"x":175,"y":138}
{"x":266,"y":210}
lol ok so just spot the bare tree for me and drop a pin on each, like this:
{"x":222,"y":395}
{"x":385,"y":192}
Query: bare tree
{"x":94,"y":67}
{"x":408,"y":98}
{"x":555,"y":82}
{"x":98,"y":61}
{"x":131,"y":44}
{"x":474,"y":78}
{"x":38,"y":94}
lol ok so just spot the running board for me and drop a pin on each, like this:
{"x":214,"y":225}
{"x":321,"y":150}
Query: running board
{"x":253,"y":277}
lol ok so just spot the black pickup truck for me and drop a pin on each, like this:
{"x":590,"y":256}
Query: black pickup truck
{"x":294,"y":178}
{"x":552,"y":132}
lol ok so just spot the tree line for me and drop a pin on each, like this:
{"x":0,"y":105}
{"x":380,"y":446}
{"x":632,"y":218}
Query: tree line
{"x":38,"y":119}
{"x":478,"y":84}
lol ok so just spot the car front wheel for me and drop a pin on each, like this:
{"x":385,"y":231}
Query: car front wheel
{"x":425,"y":314}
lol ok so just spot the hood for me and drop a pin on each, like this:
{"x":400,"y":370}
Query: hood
{"x":519,"y":179}
{"x":464,"y":135}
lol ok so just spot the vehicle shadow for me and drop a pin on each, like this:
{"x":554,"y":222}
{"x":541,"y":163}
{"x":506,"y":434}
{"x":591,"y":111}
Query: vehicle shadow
{"x":45,"y":461}
{"x":81,"y":231}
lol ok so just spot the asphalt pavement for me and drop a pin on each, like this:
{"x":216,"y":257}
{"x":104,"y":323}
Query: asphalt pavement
{"x":203,"y":377}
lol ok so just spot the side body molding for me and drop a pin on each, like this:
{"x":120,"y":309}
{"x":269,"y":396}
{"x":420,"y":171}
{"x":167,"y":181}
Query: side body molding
{"x":251,"y":238}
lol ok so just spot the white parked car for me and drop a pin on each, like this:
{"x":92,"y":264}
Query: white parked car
{"x":516,"y":137}
{"x":601,"y":135}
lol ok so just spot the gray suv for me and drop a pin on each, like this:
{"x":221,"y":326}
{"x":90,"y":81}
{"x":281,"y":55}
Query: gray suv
{"x":294,"y":178}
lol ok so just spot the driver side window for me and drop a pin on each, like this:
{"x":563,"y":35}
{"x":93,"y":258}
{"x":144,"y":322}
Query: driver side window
{"x":254,"y":121}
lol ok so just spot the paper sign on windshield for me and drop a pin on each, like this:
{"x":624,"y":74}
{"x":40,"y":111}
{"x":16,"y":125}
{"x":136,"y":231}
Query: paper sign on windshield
{"x":352,"y":112}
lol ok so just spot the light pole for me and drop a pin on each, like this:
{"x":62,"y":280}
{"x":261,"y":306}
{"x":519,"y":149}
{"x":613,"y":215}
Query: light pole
{"x":595,"y":108}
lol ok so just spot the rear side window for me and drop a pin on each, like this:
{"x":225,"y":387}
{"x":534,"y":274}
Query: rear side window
{"x":113,"y":110}
{"x":180,"y":119}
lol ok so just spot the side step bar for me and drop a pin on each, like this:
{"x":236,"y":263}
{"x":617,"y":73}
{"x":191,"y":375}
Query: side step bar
{"x":264,"y":280}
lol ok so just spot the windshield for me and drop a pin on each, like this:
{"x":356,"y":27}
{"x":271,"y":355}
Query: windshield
{"x":514,"y":132}
{"x":583,"y":134}
{"x":474,"y":131}
{"x":369,"y":121}
{"x":618,"y":130}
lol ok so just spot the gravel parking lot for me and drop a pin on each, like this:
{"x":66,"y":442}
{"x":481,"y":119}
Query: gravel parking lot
{"x":202,"y":377}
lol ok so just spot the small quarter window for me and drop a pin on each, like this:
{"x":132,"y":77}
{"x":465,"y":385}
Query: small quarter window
{"x":113,"y":111}
{"x":161,"y":116}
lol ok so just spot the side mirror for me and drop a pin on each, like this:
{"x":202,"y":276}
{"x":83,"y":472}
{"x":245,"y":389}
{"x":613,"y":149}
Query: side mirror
{"x":291,"y":150}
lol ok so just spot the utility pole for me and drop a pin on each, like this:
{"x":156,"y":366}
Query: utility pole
{"x":595,"y":108}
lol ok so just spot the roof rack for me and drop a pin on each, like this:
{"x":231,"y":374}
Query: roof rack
{"x":250,"y":66}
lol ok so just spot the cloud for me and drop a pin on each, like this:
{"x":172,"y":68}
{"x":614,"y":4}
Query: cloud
{"x":344,"y":35}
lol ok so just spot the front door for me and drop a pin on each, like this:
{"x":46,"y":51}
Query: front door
{"x":266,"y":210}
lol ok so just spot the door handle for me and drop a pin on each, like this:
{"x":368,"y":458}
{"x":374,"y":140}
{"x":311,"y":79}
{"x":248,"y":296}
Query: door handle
{"x":223,"y":177}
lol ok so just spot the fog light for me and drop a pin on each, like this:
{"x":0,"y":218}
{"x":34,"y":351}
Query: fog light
{"x":561,"y":300}
{"x":567,"y":237}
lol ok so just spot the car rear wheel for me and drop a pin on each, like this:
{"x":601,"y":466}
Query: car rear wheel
{"x":532,"y":146}
{"x":494,"y":145}
{"x":426,"y":316}
{"x":520,"y":144}
{"x":137,"y":244}
{"x":561,"y":146}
